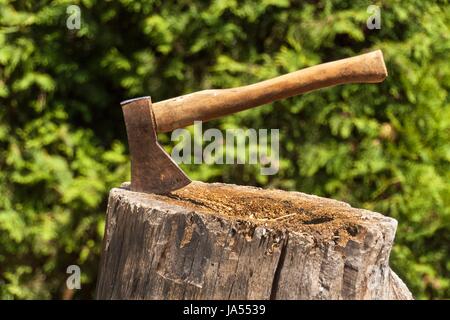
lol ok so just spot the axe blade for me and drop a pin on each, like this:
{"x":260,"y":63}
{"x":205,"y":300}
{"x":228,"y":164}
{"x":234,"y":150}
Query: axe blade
{"x":152,"y":169}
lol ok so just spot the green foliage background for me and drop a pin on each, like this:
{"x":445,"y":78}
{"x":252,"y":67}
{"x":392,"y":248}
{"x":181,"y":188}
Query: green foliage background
{"x":63,"y":143}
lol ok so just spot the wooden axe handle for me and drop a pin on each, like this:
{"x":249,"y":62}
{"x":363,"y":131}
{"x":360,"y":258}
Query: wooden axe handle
{"x":211,"y":104}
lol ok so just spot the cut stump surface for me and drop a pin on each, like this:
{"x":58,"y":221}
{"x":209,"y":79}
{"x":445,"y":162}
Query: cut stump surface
{"x":221,"y":241}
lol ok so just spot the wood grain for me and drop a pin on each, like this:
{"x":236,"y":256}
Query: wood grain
{"x":173,"y":247}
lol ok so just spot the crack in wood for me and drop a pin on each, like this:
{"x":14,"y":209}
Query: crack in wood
{"x":276,"y":277}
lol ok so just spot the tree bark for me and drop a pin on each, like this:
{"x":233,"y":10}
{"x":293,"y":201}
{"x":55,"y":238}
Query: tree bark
{"x":219,"y":241}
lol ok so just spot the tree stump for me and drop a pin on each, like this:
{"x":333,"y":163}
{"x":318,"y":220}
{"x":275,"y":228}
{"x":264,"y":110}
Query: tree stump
{"x":220,"y":241}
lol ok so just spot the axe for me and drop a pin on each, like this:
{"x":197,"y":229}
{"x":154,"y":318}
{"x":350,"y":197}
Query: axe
{"x":154,"y":171}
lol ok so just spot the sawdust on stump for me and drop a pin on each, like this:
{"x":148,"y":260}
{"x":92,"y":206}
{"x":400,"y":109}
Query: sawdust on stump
{"x":274,"y":209}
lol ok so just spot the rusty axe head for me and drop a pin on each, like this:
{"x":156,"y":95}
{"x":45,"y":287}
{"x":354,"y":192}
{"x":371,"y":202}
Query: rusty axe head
{"x":152,"y":169}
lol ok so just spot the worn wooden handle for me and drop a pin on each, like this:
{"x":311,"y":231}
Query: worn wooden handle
{"x":211,"y":104}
